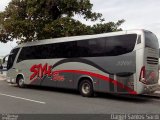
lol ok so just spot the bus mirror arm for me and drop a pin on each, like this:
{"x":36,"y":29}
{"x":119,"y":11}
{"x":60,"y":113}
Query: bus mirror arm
{"x":4,"y":59}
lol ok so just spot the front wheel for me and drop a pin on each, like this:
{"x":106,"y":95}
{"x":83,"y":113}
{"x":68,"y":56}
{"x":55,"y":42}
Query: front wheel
{"x":20,"y":82}
{"x":86,"y":88}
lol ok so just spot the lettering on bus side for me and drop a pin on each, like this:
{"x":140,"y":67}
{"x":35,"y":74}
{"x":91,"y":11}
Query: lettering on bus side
{"x":39,"y":71}
{"x":124,"y":63}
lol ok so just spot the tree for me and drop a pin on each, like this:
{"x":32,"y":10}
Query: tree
{"x":30,"y":20}
{"x":107,"y":27}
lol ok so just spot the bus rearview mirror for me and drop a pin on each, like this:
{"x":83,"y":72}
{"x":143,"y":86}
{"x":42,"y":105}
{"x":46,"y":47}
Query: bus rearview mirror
{"x":4,"y":60}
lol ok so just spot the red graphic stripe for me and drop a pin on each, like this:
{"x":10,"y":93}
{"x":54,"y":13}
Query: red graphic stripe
{"x":102,"y":77}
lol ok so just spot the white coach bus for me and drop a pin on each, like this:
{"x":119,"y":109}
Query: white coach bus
{"x":124,"y":62}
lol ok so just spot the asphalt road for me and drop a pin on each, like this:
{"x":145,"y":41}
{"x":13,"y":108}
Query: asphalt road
{"x":39,"y":100}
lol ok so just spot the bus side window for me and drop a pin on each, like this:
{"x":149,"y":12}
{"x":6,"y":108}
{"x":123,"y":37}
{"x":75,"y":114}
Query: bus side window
{"x":97,"y":47}
{"x":82,"y":48}
{"x":139,"y":39}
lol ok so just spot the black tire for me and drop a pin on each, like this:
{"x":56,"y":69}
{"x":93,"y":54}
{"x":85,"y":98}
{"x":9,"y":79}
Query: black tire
{"x":20,"y":82}
{"x":86,"y":88}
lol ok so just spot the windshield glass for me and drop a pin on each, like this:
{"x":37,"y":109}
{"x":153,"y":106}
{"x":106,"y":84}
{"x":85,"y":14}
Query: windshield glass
{"x":151,"y":40}
{"x":11,"y":58}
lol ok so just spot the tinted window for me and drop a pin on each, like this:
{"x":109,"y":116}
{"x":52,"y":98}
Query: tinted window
{"x":107,"y":46}
{"x":119,"y":45}
{"x":97,"y":47}
{"x":48,"y":51}
{"x":64,"y":50}
{"x":33,"y":52}
{"x":151,"y":40}
{"x":12,"y":57}
{"x":82,"y":48}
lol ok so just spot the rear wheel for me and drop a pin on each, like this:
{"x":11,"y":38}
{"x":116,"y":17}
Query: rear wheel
{"x":20,"y":82}
{"x":86,"y":88}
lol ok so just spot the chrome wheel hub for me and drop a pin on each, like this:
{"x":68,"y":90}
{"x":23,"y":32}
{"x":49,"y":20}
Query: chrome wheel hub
{"x":21,"y":82}
{"x":85,"y":88}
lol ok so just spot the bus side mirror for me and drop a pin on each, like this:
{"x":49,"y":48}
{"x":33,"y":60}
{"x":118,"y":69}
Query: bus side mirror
{"x":4,"y":60}
{"x":1,"y":67}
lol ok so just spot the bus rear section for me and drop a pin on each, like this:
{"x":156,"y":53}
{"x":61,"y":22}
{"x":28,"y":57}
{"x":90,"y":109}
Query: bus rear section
{"x":149,"y":74}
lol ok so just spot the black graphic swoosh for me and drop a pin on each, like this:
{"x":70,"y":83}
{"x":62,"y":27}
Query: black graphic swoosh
{"x":81,"y":61}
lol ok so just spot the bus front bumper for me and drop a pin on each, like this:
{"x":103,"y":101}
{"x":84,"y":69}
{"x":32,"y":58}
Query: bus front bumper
{"x":12,"y":81}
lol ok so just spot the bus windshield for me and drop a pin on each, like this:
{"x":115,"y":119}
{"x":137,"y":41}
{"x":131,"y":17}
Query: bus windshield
{"x":11,"y":58}
{"x":151,"y":40}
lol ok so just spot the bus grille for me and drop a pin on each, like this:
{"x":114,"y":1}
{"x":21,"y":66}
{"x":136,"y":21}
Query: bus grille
{"x":152,"y":60}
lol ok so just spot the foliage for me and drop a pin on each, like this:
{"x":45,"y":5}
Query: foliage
{"x":30,"y":20}
{"x":107,"y":27}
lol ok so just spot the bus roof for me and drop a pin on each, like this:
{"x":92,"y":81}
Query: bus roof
{"x":76,"y":38}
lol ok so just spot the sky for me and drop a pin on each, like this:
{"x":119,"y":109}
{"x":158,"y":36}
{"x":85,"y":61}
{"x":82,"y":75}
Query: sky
{"x":138,"y":14}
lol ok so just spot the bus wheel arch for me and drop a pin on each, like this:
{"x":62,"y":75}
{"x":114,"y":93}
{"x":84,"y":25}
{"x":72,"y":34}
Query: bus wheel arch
{"x":20,"y":81}
{"x":85,"y":87}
